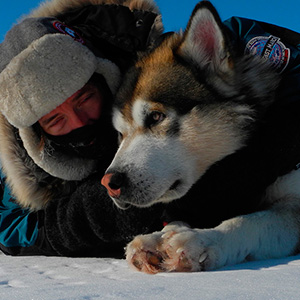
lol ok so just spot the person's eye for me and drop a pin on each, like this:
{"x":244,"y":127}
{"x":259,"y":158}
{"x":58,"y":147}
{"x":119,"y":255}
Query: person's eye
{"x":56,"y":122}
{"x":84,"y":100}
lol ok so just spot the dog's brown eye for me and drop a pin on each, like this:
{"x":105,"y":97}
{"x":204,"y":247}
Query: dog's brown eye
{"x":154,"y":118}
{"x":157,"y":116}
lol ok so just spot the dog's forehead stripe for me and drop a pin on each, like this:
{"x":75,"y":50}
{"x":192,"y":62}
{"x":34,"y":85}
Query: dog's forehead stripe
{"x":139,"y":110}
{"x":119,"y":122}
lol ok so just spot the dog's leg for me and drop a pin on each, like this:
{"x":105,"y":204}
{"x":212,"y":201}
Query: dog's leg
{"x":267,"y":234}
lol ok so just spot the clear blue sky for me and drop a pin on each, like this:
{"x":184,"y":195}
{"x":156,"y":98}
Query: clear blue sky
{"x":176,"y":13}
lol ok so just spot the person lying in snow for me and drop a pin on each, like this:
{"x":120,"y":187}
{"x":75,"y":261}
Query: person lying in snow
{"x":60,"y":69}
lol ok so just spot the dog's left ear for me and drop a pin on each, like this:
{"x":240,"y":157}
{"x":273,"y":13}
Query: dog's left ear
{"x":204,"y":42}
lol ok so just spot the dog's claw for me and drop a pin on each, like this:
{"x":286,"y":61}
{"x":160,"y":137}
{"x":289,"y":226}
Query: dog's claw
{"x":203,"y":257}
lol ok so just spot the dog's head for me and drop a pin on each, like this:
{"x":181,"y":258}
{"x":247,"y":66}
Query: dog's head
{"x":183,"y":107}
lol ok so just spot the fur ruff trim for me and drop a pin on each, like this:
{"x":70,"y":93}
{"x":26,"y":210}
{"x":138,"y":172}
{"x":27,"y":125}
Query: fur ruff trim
{"x":22,"y":182}
{"x":62,"y":166}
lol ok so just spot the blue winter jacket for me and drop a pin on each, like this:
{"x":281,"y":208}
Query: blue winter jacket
{"x":18,"y":227}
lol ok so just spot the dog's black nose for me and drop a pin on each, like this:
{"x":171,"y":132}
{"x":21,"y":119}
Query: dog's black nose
{"x":116,"y":181}
{"x":113,"y":183}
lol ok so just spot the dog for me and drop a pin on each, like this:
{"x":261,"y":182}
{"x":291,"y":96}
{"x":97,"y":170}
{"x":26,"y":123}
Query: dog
{"x":189,"y":106}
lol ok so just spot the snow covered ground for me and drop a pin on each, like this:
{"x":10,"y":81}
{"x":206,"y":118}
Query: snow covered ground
{"x":60,"y":278}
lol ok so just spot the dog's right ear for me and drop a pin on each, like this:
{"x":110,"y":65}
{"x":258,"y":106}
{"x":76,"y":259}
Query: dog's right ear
{"x":204,"y":43}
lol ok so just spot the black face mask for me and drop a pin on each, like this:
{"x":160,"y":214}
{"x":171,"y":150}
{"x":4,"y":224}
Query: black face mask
{"x":92,"y":141}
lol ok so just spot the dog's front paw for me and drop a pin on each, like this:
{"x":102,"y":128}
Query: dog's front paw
{"x":191,"y":250}
{"x":175,"y":249}
{"x":145,"y":253}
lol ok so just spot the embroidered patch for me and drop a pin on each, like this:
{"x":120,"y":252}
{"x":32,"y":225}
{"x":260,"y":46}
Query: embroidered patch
{"x":67,"y":30}
{"x":271,"y":49}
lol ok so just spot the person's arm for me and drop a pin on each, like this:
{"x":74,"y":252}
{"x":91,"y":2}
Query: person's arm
{"x":21,"y":230}
{"x":89,"y":224}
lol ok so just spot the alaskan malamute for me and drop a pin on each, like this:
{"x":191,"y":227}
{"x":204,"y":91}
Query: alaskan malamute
{"x":184,"y":108}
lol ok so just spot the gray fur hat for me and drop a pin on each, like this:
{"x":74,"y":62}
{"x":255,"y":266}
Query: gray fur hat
{"x":42,"y":63}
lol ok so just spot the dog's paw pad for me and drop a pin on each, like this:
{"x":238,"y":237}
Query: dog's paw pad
{"x":146,"y":261}
{"x":154,"y":259}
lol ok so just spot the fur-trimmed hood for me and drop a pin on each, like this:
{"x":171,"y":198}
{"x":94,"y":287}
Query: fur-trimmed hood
{"x":23,"y":163}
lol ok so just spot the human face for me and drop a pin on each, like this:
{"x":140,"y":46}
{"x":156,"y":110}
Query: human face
{"x":81,"y":109}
